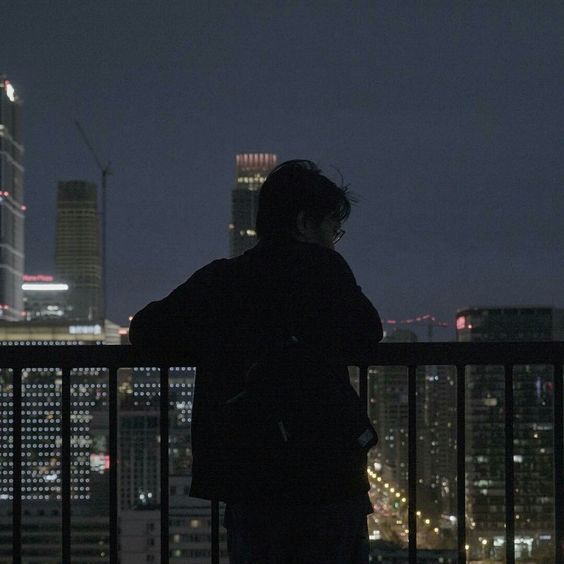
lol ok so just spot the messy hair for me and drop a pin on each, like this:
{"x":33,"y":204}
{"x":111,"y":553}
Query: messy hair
{"x":299,"y":186}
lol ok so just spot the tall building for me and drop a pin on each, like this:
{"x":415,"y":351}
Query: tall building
{"x":41,"y":534}
{"x":189,"y":529}
{"x":436,"y":444}
{"x":139,"y":433}
{"x":41,"y":448}
{"x":533,"y":432}
{"x":12,"y":207}
{"x":252,"y":170}
{"x":78,"y":256}
{"x":138,"y":444}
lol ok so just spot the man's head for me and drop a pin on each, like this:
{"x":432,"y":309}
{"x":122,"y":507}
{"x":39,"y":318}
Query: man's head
{"x":298,"y":201}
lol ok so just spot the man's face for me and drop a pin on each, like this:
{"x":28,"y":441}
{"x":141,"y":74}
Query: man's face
{"x":323,"y":234}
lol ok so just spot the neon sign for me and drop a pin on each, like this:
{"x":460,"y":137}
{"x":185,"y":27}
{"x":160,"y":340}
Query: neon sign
{"x":37,"y":278}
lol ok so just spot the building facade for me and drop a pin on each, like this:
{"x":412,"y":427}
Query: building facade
{"x":436,"y":448}
{"x":43,"y":297}
{"x":12,"y":208}
{"x":189,"y":529}
{"x":252,"y":170}
{"x":78,"y":255}
{"x":138,"y":443}
{"x":533,"y":432}
{"x":435,"y":411}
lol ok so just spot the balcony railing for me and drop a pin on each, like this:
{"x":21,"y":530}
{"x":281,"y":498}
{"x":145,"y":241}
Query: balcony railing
{"x":411,"y":356}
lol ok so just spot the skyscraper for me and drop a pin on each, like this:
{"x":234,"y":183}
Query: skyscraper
{"x":533,"y":431}
{"x":11,"y":204}
{"x":435,"y":412}
{"x":78,"y":254}
{"x":252,"y":170}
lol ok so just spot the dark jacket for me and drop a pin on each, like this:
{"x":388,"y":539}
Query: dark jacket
{"x":234,"y":311}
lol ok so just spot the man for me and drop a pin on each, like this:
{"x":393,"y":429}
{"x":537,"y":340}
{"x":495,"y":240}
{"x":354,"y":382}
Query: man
{"x":278,"y":433}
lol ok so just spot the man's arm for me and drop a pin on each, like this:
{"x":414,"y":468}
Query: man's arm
{"x":185,"y":318}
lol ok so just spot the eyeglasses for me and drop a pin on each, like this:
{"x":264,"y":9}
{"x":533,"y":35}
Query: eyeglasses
{"x":338,"y":235}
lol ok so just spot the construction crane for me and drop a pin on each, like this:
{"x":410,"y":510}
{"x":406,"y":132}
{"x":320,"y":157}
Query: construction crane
{"x":428,"y":319}
{"x":105,"y":171}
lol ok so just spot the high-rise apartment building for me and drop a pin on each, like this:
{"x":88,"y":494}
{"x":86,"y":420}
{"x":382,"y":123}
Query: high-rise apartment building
{"x":12,"y":208}
{"x":78,"y":256}
{"x":533,"y":432}
{"x":139,"y":433}
{"x":436,"y":444}
{"x":252,"y":170}
{"x":138,"y":443}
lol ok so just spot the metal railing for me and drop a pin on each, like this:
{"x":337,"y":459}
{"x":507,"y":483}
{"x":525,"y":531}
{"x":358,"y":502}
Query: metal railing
{"x":410,"y":355}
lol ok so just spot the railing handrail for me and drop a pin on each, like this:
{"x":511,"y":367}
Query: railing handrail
{"x":384,"y":354}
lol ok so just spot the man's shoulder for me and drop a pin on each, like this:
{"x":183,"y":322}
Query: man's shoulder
{"x":223,"y":273}
{"x":214,"y":268}
{"x":321,"y":258}
{"x":292,"y":258}
{"x":294,"y":249}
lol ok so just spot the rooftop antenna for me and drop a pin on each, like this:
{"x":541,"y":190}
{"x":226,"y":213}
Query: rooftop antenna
{"x":105,"y":171}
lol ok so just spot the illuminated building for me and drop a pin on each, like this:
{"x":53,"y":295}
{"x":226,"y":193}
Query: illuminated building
{"x":189,"y":530}
{"x":78,"y":259}
{"x":41,"y":413}
{"x":389,"y":413}
{"x":436,"y":429}
{"x":139,"y":455}
{"x":12,"y":208}
{"x":41,"y":534}
{"x":138,"y":441}
{"x":58,"y":332}
{"x":44,"y":298}
{"x":437,"y":422}
{"x":252,"y":170}
{"x":533,"y":431}
{"x":139,"y":432}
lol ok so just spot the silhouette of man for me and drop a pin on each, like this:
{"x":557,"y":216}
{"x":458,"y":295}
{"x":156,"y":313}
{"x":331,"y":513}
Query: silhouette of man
{"x":278,"y":433}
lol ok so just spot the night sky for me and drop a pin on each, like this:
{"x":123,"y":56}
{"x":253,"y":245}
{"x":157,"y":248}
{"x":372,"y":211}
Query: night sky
{"x":444,"y":117}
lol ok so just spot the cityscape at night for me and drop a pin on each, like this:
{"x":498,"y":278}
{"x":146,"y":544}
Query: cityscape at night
{"x":134,"y":141}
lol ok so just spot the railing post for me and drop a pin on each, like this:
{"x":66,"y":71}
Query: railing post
{"x":509,"y":470}
{"x":461,"y":461}
{"x":164,"y":433}
{"x":363,"y":387}
{"x":113,"y":432}
{"x":66,"y":465}
{"x":558,"y":465}
{"x":215,"y":531}
{"x":412,"y":462}
{"x":17,"y":466}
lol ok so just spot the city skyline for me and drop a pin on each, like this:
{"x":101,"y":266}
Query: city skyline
{"x":445,"y":121}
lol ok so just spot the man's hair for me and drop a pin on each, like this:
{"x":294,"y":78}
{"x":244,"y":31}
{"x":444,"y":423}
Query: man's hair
{"x":296,"y":186}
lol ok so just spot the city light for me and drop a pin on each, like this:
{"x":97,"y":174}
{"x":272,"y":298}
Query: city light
{"x":33,"y":287}
{"x":10,"y":92}
{"x":85,"y":329}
